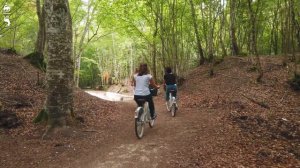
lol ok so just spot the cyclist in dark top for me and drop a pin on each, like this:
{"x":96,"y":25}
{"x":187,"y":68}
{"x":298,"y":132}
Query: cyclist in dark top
{"x":169,"y":83}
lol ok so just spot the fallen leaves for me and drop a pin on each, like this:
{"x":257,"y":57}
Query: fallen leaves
{"x":255,"y":119}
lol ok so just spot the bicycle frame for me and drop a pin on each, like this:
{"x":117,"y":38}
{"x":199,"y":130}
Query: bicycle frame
{"x":143,"y":113}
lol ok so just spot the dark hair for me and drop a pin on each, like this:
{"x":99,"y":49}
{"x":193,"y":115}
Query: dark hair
{"x":168,"y":70}
{"x":143,"y":70}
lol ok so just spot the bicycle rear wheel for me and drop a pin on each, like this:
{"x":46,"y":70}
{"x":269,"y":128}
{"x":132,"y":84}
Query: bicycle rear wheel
{"x":139,"y":128}
{"x":173,"y":110}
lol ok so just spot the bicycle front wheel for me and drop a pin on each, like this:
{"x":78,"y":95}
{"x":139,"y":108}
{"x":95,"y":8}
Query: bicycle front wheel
{"x":139,"y":128}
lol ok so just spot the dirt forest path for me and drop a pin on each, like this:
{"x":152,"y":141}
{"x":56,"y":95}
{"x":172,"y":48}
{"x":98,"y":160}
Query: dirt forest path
{"x":168,"y":144}
{"x":217,"y":124}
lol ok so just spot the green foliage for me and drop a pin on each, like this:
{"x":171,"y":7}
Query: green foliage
{"x":42,"y":116}
{"x":21,"y":34}
{"x":243,"y":54}
{"x":37,"y":60}
{"x":123,"y":33}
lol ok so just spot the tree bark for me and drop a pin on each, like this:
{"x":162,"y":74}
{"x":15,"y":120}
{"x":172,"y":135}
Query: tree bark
{"x":234,"y":46}
{"x":293,"y":32}
{"x":60,"y":69}
{"x":154,"y":48}
{"x":253,"y":33}
{"x":40,"y":42}
{"x":199,"y":46}
{"x":162,"y":33}
{"x":222,"y":28}
{"x":174,"y":36}
{"x":274,"y":31}
{"x":14,"y":38}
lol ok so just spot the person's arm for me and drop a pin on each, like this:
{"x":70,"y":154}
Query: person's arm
{"x":132,"y":82}
{"x":165,"y":82}
{"x":153,"y":84}
{"x":164,"y":85}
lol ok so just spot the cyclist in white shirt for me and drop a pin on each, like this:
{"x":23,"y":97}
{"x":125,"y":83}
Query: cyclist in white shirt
{"x":141,"y":81}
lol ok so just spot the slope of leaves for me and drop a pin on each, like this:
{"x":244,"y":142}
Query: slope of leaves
{"x":262,"y":119}
{"x":22,"y":96}
{"x":22,"y":91}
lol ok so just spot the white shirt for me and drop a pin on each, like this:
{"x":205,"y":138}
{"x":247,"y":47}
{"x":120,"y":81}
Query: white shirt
{"x":142,"y":84}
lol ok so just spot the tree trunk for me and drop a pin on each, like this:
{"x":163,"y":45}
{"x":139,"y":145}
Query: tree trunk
{"x":174,"y":37}
{"x":40,"y":42}
{"x":274,"y":31}
{"x":234,"y":46}
{"x":253,"y":33}
{"x":284,"y":32}
{"x":81,"y":42}
{"x":199,"y":47}
{"x":162,"y":33}
{"x":211,"y":31}
{"x":60,"y":68}
{"x":154,"y":49}
{"x":222,"y":28}
{"x":210,"y":39}
{"x":293,"y":25}
{"x":14,"y":38}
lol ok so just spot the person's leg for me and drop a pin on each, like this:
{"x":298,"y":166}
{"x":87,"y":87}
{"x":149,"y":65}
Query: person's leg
{"x":175,"y":95}
{"x":167,"y":93}
{"x":151,"y":105}
{"x":167,"y":97}
{"x":139,"y":103}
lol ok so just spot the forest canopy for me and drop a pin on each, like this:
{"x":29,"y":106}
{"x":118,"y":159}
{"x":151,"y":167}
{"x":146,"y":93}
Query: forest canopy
{"x":111,"y":37}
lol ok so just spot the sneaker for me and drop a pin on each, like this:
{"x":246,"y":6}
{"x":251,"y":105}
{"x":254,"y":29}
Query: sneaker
{"x":154,"y":116}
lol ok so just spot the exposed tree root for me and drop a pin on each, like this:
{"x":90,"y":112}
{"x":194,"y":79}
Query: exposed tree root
{"x":261,"y":103}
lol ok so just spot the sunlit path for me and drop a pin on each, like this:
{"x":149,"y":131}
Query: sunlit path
{"x":110,"y":96}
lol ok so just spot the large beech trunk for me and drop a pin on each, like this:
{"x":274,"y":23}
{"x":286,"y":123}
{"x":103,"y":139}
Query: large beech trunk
{"x":60,"y":69}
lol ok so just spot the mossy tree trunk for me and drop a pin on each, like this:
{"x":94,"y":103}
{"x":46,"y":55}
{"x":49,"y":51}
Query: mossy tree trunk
{"x":199,"y":46}
{"x":154,"y":49}
{"x":234,"y":45}
{"x":60,"y":69}
{"x":294,"y":33}
{"x":222,"y":33}
{"x":40,"y":42}
{"x":253,"y":34}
